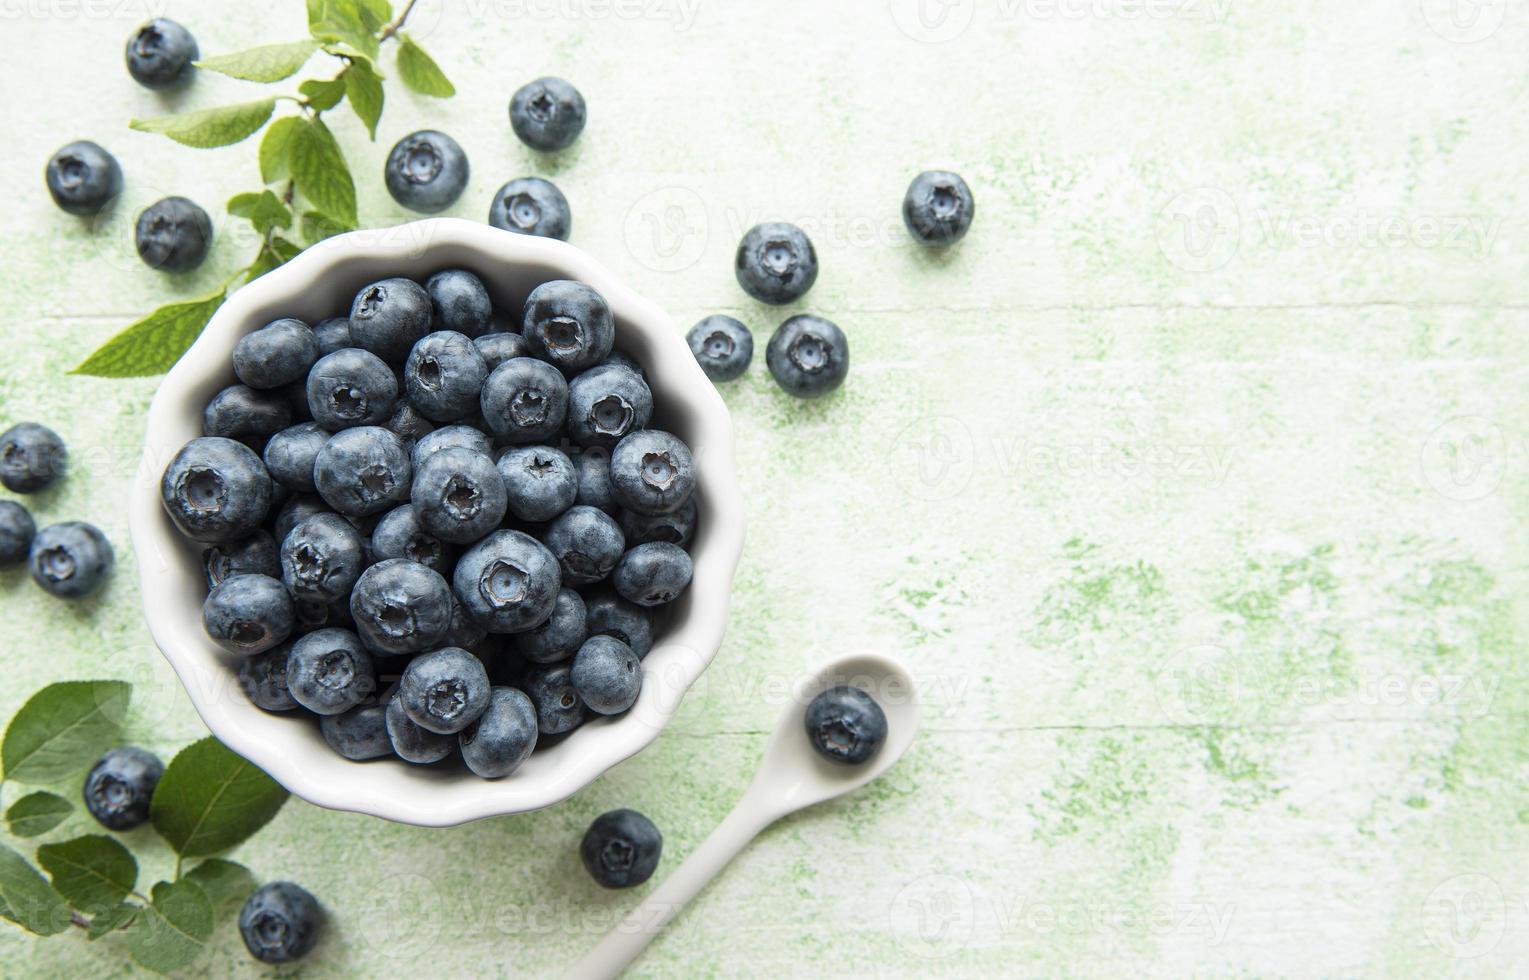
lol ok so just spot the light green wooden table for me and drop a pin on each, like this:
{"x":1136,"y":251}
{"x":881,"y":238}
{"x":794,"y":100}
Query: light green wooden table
{"x":1193,"y":483}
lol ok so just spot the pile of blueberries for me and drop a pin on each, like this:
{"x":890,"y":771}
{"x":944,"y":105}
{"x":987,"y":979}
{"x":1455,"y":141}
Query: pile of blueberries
{"x":70,"y":559}
{"x":383,"y":495}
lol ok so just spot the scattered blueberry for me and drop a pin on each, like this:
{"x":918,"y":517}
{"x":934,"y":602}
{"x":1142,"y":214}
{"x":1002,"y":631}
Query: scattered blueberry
{"x":776,"y":262}
{"x":173,"y":234}
{"x":938,"y":208}
{"x":253,"y":555}
{"x":119,"y":786}
{"x":458,"y":495}
{"x":32,"y":456}
{"x":675,"y":528}
{"x":653,"y":574}
{"x":558,"y":708}
{"x":333,"y":334}
{"x":83,"y":178}
{"x":500,"y":346}
{"x":607,"y":614}
{"x":329,"y":672}
{"x":846,"y":725}
{"x":216,"y":490}
{"x":547,"y":114}
{"x":722,"y":346}
{"x":507,"y":582}
{"x":502,"y":737}
{"x":389,"y":317}
{"x":444,"y":375}
{"x":322,"y":558}
{"x":399,"y":535}
{"x":351,"y":387}
{"x":605,"y":404}
{"x":280,"y":923}
{"x":525,"y":400}
{"x":568,"y":324}
{"x":248,"y":613}
{"x":587,"y":544}
{"x":621,"y":849}
{"x":243,"y":413}
{"x":161,"y":54}
{"x":539,"y":482}
{"x":263,"y":678}
{"x":411,"y":742}
{"x":16,"y":532}
{"x":289,"y":455}
{"x":363,"y":471}
{"x":652,"y":472}
{"x":70,"y":560}
{"x":607,"y":675}
{"x":401,"y":606}
{"x":444,"y":691}
{"x":560,"y":636}
{"x":277,"y":354}
{"x":531,"y":206}
{"x":460,"y":301}
{"x":808,"y":356}
{"x":427,"y":171}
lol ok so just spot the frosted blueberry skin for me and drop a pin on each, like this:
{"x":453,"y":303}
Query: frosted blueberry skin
{"x":548,"y":114}
{"x":17,"y":529}
{"x":569,"y":325}
{"x":359,"y":734}
{"x":606,"y":403}
{"x":295,"y":511}
{"x":458,"y":496}
{"x":560,"y":636}
{"x":846,"y":725}
{"x":400,"y":535}
{"x":289,"y":455}
{"x":508,"y":582}
{"x":587,"y":543}
{"x":653,"y":574}
{"x":253,"y":555}
{"x":216,"y":490}
{"x":408,"y":424}
{"x":607,"y":614}
{"x":277,"y":354}
{"x":450,"y":437}
{"x":263,"y":678}
{"x":444,"y":374}
{"x":938,"y":208}
{"x":281,"y":922}
{"x":246,"y":414}
{"x":539,"y":482}
{"x":460,"y":302}
{"x":722,"y":346}
{"x":410,"y":742}
{"x":389,"y":317}
{"x":161,"y":55}
{"x":363,"y":471}
{"x":349,"y":388}
{"x":173,"y":235}
{"x":501,"y":739}
{"x":594,"y":466}
{"x":119,"y":786}
{"x":558,"y":708}
{"x":332,"y":334}
{"x":674,"y":528}
{"x":776,"y":262}
{"x":808,"y":356}
{"x":329,"y":672}
{"x":83,"y":178}
{"x":322,"y":558}
{"x":426,"y":171}
{"x":70,"y":560}
{"x":525,"y":400}
{"x":32,"y":457}
{"x":248,"y":614}
{"x":531,"y":206}
{"x":621,"y":849}
{"x":400,"y":606}
{"x":606,"y":674}
{"x":499,"y":347}
{"x":444,"y":691}
{"x":652,"y":472}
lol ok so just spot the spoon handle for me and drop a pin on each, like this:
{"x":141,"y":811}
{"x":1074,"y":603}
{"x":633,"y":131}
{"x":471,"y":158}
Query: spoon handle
{"x":633,"y":933}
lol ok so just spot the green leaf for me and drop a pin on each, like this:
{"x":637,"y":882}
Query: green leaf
{"x":153,"y":344}
{"x":286,"y":251}
{"x":224,"y":882}
{"x":324,"y":94}
{"x":93,"y":873}
{"x":345,"y":21}
{"x":363,"y":86}
{"x":37,"y":813}
{"x":320,"y":172}
{"x":376,"y":13}
{"x":210,"y":799}
{"x":267,"y":63}
{"x":29,"y":900}
{"x":420,"y":72}
{"x":111,"y":920}
{"x":62,"y":729}
{"x":171,"y":932}
{"x":210,"y":127}
{"x":317,"y":227}
{"x":273,"y":148}
{"x":263,"y":209}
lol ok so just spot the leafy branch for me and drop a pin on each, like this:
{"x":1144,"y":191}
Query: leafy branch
{"x":315,"y":195}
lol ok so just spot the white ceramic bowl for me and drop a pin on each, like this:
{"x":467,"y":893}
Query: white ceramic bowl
{"x":320,"y":283}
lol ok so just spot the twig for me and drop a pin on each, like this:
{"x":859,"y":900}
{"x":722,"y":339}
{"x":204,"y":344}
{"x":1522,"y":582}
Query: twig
{"x":397,"y":24}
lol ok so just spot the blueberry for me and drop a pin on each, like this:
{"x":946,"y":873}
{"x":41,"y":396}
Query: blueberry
{"x":243,"y":413}
{"x":722,"y":346}
{"x":408,"y":424}
{"x":560,"y":635}
{"x":248,"y":613}
{"x":938,"y":208}
{"x":776,"y":262}
{"x":32,"y":456}
{"x":328,"y":671}
{"x":444,"y":691}
{"x":652,"y":472}
{"x":547,"y":114}
{"x":277,"y":354}
{"x":389,"y":317}
{"x":16,"y":532}
{"x":676,"y":528}
{"x":619,"y":359}
{"x":426,"y":171}
{"x":173,"y":234}
{"x":558,"y":708}
{"x":119,"y":786}
{"x":289,"y":455}
{"x":358,"y":734}
{"x":508,"y":582}
{"x":846,"y":725}
{"x":499,"y":347}
{"x":363,"y":471}
{"x":531,"y":206}
{"x":161,"y":54}
{"x":605,"y":404}
{"x":464,"y":631}
{"x":263,"y":678}
{"x":400,"y":606}
{"x":501,"y":739}
{"x":460,"y":302}
{"x":458,"y":495}
{"x":280,"y":923}
{"x":808,"y":356}
{"x":449,"y":437}
{"x":539,"y":481}
{"x":607,"y":675}
{"x":70,"y":560}
{"x":594,"y":466}
{"x":621,"y":849}
{"x":252,"y":555}
{"x":653,"y":574}
{"x":216,"y":490}
{"x":525,"y":400}
{"x":568,"y":324}
{"x":333,"y":334}
{"x":351,"y":387}
{"x":444,"y":374}
{"x":587,"y":544}
{"x":83,"y":178}
{"x":399,"y":535}
{"x":322,"y":558}
{"x":294,"y":512}
{"x":313,"y":615}
{"x":411,"y":742}
{"x":607,"y":614}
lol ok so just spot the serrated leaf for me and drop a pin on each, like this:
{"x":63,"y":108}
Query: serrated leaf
{"x":267,"y":63}
{"x":363,"y":86}
{"x":37,"y":813}
{"x":263,"y":209}
{"x":29,"y":900}
{"x":210,"y":799}
{"x":321,"y":174}
{"x":62,"y":729}
{"x":93,"y":873}
{"x":324,"y":94}
{"x":171,"y":932}
{"x":224,"y":882}
{"x":153,"y":344}
{"x":420,"y":72}
{"x":317,"y":227}
{"x":346,"y":21}
{"x":273,"y":148}
{"x":205,"y":128}
{"x":111,"y":920}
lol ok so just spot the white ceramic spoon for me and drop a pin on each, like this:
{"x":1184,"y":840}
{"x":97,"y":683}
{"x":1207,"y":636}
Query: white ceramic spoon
{"x":791,"y":776}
